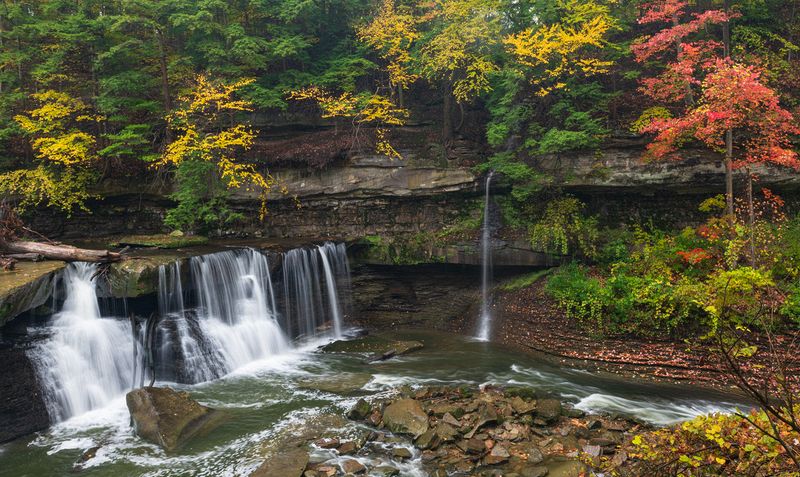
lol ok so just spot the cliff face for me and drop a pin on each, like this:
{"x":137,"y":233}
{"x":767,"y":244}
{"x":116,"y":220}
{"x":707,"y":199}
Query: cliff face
{"x":365,"y":195}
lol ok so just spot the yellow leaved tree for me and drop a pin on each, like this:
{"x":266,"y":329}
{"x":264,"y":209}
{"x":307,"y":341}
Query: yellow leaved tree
{"x":392,"y":33}
{"x":568,"y":47}
{"x":362,"y":109}
{"x":65,"y":154}
{"x":458,"y":51}
{"x":208,"y":139}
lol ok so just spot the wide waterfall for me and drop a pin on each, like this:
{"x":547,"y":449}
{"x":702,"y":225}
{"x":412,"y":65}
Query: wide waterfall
{"x":485,"y":320}
{"x":87,"y":361}
{"x":214,"y":316}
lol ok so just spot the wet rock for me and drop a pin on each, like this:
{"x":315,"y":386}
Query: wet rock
{"x":327,"y":443}
{"x":472,"y":446}
{"x":449,"y":419}
{"x":534,"y":471}
{"x":406,"y":416}
{"x":360,"y":411}
{"x":548,"y":410}
{"x":439,"y":409}
{"x":380,"y":348}
{"x":28,"y":286}
{"x":385,"y":471}
{"x":349,"y":447}
{"x":498,"y":455}
{"x":22,"y":409}
{"x":343,"y":383}
{"x":289,"y":463}
{"x":428,"y":440}
{"x":535,"y":455}
{"x":522,"y":406}
{"x":352,"y":466}
{"x":167,"y":417}
{"x":401,"y":453}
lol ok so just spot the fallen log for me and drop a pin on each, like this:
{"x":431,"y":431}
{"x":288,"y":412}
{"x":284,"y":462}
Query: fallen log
{"x":25,"y":257}
{"x":66,"y":253}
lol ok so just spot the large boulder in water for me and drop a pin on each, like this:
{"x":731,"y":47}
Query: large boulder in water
{"x":167,"y":417}
{"x":406,"y":416}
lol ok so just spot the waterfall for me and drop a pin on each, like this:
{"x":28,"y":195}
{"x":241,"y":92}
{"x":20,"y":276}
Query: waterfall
{"x":312,"y":277}
{"x":485,"y":320}
{"x":217,"y":315}
{"x":86,"y":362}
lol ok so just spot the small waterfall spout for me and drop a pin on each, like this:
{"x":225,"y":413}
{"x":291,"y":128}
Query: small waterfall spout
{"x":86,"y":362}
{"x":485,"y":320}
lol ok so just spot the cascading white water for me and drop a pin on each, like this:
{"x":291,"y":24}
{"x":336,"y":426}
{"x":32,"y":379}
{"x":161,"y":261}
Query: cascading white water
{"x":485,"y":320}
{"x":237,"y":319}
{"x":236,"y":306}
{"x":224,"y":317}
{"x":86,"y":362}
{"x":312,"y":277}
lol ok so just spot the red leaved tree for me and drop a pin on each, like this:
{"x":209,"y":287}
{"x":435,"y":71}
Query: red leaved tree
{"x":716,"y":98}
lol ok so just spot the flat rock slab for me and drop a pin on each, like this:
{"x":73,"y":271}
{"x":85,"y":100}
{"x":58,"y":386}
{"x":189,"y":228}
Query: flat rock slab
{"x":167,"y":417}
{"x":289,"y":463}
{"x":379,"y":348}
{"x":29,"y":285}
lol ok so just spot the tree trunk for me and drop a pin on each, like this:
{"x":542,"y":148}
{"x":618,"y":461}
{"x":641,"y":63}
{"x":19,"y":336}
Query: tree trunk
{"x":165,"y":93}
{"x":726,"y":41}
{"x":447,"y":123}
{"x":729,"y":173}
{"x":66,"y":253}
{"x":751,"y":218}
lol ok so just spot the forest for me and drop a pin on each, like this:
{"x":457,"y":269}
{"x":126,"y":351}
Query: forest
{"x":630,"y":167}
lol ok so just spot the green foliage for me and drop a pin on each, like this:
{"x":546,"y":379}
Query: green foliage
{"x":718,"y":444}
{"x":582,"y":297}
{"x":201,"y":199}
{"x":565,"y":230}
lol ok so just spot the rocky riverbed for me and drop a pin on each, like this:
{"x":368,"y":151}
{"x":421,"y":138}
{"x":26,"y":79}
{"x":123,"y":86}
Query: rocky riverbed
{"x":460,"y":431}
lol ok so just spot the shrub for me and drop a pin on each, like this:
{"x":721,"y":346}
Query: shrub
{"x":582,"y":297}
{"x":565,"y":229}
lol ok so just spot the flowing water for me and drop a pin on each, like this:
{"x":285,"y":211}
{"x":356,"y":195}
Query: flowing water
{"x":243,"y":344}
{"x":224,"y":317}
{"x":263,"y":402}
{"x":485,"y":320}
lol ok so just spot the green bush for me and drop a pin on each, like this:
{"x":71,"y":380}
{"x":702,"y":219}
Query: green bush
{"x":565,"y":230}
{"x":582,"y":297}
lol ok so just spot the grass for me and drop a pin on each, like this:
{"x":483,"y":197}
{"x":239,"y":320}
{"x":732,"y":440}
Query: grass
{"x":524,"y":281}
{"x":160,"y":241}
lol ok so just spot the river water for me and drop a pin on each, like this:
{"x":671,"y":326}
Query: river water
{"x":263,"y":401}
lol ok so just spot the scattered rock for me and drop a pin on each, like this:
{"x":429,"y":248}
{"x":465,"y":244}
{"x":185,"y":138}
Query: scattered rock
{"x":351,"y":466}
{"x":385,"y":471}
{"x":289,"y":463}
{"x":401,"y":453}
{"x":360,"y":411}
{"x":167,"y":417}
{"x":548,"y":410}
{"x":406,"y":416}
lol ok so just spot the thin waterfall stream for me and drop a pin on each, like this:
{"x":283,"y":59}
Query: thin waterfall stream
{"x":485,"y":319}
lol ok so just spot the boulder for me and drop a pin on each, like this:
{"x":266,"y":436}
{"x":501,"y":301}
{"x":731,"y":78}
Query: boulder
{"x":406,"y":416}
{"x":360,"y":411}
{"x":167,"y":417}
{"x":350,"y":466}
{"x":549,"y":410}
{"x":289,"y":463}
